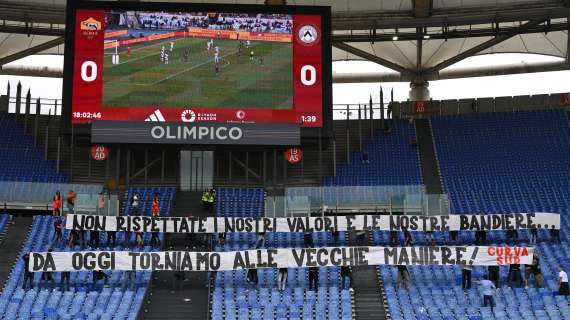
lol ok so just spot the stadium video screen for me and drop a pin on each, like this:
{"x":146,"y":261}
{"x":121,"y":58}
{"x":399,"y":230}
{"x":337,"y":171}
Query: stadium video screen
{"x":198,"y":63}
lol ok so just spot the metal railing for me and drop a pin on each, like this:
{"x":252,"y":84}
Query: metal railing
{"x":303,"y":201}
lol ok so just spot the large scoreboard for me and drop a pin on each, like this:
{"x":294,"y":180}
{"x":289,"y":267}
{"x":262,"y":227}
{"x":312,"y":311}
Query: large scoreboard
{"x":186,"y":64}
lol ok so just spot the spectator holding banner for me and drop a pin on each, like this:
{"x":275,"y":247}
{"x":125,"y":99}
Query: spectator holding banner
{"x":533,"y":235}
{"x":282,"y":278}
{"x":346,"y":276}
{"x":403,"y":277}
{"x":313,"y":278}
{"x":64,"y":281}
{"x":28,"y":275}
{"x":466,"y":276}
{"x":515,"y":275}
{"x":57,"y":229}
{"x":534,"y":270}
{"x":555,"y":235}
{"x":94,"y":240}
{"x":99,"y":275}
{"x":408,"y":241}
{"x":563,"y":288}
{"x":494,"y":275}
{"x":252,"y":276}
{"x":135,"y":204}
{"x":111,"y":238}
{"x":47,"y":276}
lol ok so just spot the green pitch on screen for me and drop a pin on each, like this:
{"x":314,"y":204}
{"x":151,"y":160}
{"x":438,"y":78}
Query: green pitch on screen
{"x":142,"y":79}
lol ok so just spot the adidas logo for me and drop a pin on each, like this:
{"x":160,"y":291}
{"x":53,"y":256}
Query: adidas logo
{"x":156,"y":116}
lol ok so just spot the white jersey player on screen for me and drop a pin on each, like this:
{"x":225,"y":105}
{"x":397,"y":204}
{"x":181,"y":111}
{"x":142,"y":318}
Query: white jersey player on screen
{"x":217,"y":50}
{"x":217,"y":58}
{"x":171,"y":46}
{"x":162,"y":54}
{"x":165,"y":58}
{"x":248,"y":44}
{"x":210,"y":44}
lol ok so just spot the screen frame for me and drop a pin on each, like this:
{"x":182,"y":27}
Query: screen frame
{"x":323,"y":11}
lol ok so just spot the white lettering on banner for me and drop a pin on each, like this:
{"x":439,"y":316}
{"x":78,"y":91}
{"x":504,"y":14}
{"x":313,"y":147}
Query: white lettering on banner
{"x":196,"y":133}
{"x":277,"y":258}
{"x":459,"y":222}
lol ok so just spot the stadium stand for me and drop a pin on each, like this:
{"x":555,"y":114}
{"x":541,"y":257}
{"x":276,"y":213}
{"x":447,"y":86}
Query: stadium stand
{"x":121,"y":300}
{"x":21,"y":160}
{"x":239,"y":202}
{"x":233,"y":297}
{"x":79,"y":303}
{"x":493,"y":163}
{"x":166,"y":199}
{"x":392,"y":157}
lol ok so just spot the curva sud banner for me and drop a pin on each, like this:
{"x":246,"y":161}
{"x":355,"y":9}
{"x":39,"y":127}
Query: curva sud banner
{"x":195,"y":133}
{"x":459,"y":222}
{"x":277,"y":258}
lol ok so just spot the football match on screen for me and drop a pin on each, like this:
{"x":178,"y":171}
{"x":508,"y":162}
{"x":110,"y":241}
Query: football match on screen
{"x":197,"y":58}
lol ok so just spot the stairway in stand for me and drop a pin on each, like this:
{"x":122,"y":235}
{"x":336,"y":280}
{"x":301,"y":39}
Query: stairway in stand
{"x":11,"y":244}
{"x":428,"y":157}
{"x":177,"y":295}
{"x":369,"y":298}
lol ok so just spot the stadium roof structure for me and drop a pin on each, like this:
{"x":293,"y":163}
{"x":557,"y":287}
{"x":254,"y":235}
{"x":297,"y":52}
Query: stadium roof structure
{"x":416,"y":39}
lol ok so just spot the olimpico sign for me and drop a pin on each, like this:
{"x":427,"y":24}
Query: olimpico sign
{"x":195,"y":133}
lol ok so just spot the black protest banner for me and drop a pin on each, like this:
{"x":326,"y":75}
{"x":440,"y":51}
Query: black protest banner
{"x":277,"y":258}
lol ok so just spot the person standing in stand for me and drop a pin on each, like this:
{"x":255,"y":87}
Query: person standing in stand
{"x":56,"y":204}
{"x":28,"y":275}
{"x":282,"y":278}
{"x":155,"y":213}
{"x":64,"y":281}
{"x":101,"y":204}
{"x":403,"y":277}
{"x":57,"y":229}
{"x":346,"y":276}
{"x":466,"y":277}
{"x":71,"y":195}
{"x":408,"y":241}
{"x":494,"y":275}
{"x":563,"y":288}
{"x":313,"y":278}
{"x":488,"y":289}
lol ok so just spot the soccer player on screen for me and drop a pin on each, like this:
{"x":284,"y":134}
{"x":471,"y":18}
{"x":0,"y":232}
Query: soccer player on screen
{"x":171,"y":46}
{"x":165,"y":58}
{"x":186,"y":55}
{"x":251,"y":55}
{"x":217,"y":61}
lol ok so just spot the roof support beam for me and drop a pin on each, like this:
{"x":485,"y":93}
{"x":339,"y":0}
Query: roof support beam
{"x":32,"y":50}
{"x":453,"y":74}
{"x":568,"y":40}
{"x":419,"y":45}
{"x":459,"y":16}
{"x":363,"y":54}
{"x":52,"y":30}
{"x":488,"y":31}
{"x":483,"y":46}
